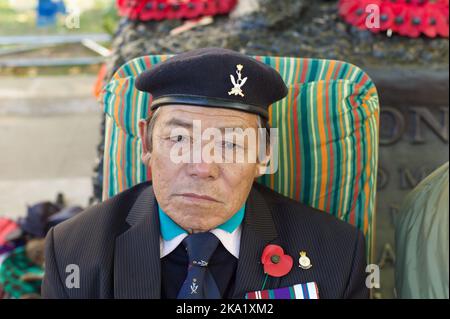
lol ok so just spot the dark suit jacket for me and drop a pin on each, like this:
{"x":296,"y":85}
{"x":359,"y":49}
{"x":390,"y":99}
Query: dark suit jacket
{"x":116,"y":245}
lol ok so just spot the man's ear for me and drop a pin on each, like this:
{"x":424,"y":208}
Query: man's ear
{"x":146,"y":155}
{"x":146,"y":158}
{"x":262,"y":166}
{"x":261,"y":169}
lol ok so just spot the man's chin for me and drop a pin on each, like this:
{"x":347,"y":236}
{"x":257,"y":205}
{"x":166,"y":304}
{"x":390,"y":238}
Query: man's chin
{"x":194,"y":222}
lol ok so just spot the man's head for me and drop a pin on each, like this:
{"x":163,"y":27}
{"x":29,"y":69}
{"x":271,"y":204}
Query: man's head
{"x":202,"y":195}
{"x":207,"y":104}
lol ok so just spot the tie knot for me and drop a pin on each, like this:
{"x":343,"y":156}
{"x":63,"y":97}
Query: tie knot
{"x":200,"y":247}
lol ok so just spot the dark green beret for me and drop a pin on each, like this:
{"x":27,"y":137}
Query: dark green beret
{"x":214,"y":77}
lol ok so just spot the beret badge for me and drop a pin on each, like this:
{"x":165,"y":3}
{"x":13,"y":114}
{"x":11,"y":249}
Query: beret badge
{"x":237,"y":85}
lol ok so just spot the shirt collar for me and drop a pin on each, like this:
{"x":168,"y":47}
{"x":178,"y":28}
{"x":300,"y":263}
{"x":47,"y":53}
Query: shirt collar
{"x":170,"y":229}
{"x":231,"y":241}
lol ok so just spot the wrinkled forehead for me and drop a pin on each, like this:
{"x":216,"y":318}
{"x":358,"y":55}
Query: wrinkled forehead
{"x":185,"y":115}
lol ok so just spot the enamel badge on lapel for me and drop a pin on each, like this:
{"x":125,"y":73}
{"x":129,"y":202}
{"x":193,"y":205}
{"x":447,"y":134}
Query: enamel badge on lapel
{"x":304,"y":262}
{"x":236,"y":90}
{"x":194,"y":287}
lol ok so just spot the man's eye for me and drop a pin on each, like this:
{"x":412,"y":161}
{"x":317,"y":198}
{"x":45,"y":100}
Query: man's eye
{"x":179,"y":138}
{"x":229,"y":145}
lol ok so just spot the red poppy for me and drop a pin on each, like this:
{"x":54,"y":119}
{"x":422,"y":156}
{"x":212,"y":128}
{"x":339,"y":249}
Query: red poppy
{"x":435,"y":20}
{"x":413,"y":21}
{"x":127,"y":8}
{"x":355,"y":13}
{"x":276,"y":262}
{"x":373,"y":13}
{"x":387,"y":17}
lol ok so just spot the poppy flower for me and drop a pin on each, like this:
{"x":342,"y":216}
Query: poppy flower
{"x":387,"y":17}
{"x":435,"y":20}
{"x":372,"y":9}
{"x":128,"y":8}
{"x":276,"y":262}
{"x":413,"y":19}
{"x":356,"y":13}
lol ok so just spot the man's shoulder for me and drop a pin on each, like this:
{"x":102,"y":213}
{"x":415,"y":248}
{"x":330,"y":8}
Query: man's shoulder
{"x":100,"y":222}
{"x":293,"y":217}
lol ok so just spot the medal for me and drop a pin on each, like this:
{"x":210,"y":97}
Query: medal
{"x":304,"y":262}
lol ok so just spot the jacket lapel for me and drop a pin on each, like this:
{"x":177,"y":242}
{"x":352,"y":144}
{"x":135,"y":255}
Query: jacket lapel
{"x":257,"y":232}
{"x":137,"y":267}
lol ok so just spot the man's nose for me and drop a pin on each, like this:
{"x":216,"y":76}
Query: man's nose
{"x":204,"y":170}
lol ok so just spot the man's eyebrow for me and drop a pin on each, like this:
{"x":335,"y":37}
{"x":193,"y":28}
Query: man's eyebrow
{"x":189,"y":124}
{"x":178,"y":122}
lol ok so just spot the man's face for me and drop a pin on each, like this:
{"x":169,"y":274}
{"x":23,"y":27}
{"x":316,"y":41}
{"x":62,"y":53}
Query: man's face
{"x":201,"y":195}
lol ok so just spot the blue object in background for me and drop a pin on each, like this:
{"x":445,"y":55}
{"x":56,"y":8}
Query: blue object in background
{"x":47,"y":10}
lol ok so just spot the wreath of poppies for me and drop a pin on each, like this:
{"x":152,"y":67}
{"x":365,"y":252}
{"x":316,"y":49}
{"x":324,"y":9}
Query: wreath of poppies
{"x":410,"y":18}
{"x":145,"y":10}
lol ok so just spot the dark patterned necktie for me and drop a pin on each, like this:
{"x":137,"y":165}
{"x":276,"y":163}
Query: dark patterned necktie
{"x":199,"y":283}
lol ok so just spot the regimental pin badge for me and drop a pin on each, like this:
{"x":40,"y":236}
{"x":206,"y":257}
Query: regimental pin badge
{"x":200,"y":263}
{"x":237,"y":89}
{"x":194,"y":286}
{"x":304,"y":262}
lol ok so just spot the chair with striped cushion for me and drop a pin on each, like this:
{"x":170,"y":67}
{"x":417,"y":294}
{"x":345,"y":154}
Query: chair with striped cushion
{"x":327,"y":134}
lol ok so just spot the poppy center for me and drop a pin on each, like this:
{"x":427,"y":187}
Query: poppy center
{"x":275,"y":259}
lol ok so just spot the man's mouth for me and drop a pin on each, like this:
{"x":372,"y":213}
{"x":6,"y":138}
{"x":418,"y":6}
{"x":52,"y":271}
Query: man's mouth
{"x":198,"y":197}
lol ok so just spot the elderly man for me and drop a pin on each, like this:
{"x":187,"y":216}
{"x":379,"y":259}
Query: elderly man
{"x":203,"y":229}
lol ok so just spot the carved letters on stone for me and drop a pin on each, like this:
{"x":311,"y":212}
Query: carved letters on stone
{"x":395,"y":124}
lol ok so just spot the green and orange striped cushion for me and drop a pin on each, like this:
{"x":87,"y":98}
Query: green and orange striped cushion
{"x":328,"y":136}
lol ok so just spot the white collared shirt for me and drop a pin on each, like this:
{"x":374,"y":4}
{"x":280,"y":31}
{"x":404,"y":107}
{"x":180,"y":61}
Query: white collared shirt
{"x":231,"y":241}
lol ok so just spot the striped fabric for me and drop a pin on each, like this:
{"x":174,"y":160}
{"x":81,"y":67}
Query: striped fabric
{"x":299,"y":291}
{"x":328,"y":136}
